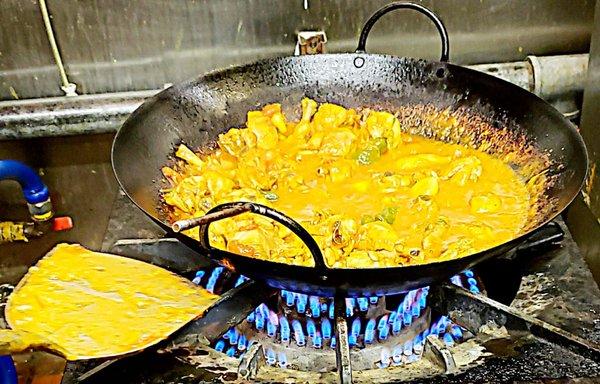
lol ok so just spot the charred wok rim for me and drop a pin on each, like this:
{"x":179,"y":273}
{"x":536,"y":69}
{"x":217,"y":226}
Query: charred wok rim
{"x":212,"y":79}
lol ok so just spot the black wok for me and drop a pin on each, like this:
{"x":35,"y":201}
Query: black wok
{"x":197,"y":111}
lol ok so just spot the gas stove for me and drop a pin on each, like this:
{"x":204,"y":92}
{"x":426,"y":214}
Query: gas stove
{"x":461,"y":331}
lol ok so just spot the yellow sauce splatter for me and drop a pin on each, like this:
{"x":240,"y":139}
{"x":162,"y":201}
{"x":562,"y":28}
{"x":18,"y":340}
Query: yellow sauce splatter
{"x":85,"y":304}
{"x":369,"y":193}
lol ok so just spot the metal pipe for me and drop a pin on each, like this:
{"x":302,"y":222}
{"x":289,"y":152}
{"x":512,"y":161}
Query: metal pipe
{"x":557,"y":79}
{"x":549,"y":77}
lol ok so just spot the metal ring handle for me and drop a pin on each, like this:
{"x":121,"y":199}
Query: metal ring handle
{"x":362,"y":40}
{"x":226,"y":210}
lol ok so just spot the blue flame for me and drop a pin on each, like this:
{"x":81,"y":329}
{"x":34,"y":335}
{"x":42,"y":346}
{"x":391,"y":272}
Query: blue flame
{"x":198,"y":278}
{"x":456,"y":280}
{"x":285,"y":328}
{"x":230,"y":352}
{"x":331,"y":311}
{"x":448,"y":339}
{"x":301,"y":303}
{"x":317,"y":340}
{"x":250,"y":317}
{"x":384,"y":361}
{"x":271,"y":329}
{"x":282,"y":359}
{"x":311,"y":328}
{"x":392,"y":317}
{"x":212,"y":280}
{"x":384,"y":332}
{"x":408,"y":348}
{"x":423,"y":300}
{"x":370,"y":331}
{"x":220,"y":345}
{"x":397,"y":326}
{"x":298,"y":333}
{"x":326,"y":328}
{"x":416,"y":310}
{"x":442,"y":324}
{"x":363,"y":304}
{"x":418,"y":343}
{"x":354,"y":332}
{"x":397,"y":355}
{"x":259,"y":319}
{"x":240,"y":280}
{"x":270,"y":356}
{"x":469,"y":273}
{"x":315,"y":306}
{"x":456,"y":332}
{"x":273,"y":318}
{"x":290,"y":297}
{"x":242,"y":342}
{"x":350,"y":304}
{"x":232,"y":335}
{"x":373,"y":299}
{"x":332,"y":343}
{"x":474,"y":289}
{"x":407,"y":318}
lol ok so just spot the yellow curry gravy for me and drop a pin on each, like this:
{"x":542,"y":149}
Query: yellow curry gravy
{"x":371,"y":194}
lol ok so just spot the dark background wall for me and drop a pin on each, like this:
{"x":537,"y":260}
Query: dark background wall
{"x":117,"y":45}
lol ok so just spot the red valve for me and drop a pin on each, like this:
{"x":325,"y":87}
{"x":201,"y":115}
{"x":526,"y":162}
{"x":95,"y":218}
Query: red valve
{"x":62,"y":223}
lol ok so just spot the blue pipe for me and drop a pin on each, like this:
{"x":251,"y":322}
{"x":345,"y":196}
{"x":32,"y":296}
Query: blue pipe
{"x":34,"y":189}
{"x":8,"y":373}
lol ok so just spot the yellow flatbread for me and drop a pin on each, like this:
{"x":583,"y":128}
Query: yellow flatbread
{"x":84,"y":304}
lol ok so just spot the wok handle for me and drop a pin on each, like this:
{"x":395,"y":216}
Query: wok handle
{"x":362,"y":40}
{"x":226,"y":210}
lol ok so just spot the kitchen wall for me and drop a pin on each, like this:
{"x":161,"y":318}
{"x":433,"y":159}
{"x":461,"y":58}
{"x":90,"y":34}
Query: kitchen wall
{"x":118,"y":45}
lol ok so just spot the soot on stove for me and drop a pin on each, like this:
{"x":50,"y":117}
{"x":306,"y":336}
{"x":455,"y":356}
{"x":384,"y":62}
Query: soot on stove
{"x":296,"y":330}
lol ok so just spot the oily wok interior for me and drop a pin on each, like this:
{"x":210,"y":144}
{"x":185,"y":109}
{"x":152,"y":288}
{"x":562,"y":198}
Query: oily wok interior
{"x":374,"y":188}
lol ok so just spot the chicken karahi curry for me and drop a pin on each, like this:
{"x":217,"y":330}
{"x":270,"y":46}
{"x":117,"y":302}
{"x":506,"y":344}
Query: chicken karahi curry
{"x":371,"y":194}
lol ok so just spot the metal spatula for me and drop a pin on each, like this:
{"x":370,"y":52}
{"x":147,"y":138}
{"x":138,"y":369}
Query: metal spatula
{"x":82,"y":304}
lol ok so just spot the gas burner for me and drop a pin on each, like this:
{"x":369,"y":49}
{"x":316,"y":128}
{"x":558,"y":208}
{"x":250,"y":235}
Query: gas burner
{"x":295,"y":330}
{"x":494,"y":343}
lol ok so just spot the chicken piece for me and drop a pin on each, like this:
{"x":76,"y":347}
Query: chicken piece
{"x":377,"y":235}
{"x":171,"y":175}
{"x":218,"y":184}
{"x":278,"y":120}
{"x":384,"y":125}
{"x":184,"y":153}
{"x":251,"y":243}
{"x":329,"y":117}
{"x":358,"y":259}
{"x":462,"y":170}
{"x":487,"y":203}
{"x":232,"y":141}
{"x":427,"y":186}
{"x":433,"y":238}
{"x":338,"y":143}
{"x":174,"y":199}
{"x":309,"y":107}
{"x":263,"y":129}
